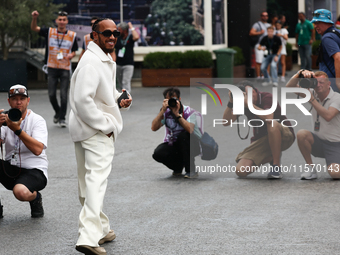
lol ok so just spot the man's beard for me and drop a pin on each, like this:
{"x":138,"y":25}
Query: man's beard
{"x":102,"y":46}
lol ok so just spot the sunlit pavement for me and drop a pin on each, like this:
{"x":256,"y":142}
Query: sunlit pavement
{"x":154,"y":213}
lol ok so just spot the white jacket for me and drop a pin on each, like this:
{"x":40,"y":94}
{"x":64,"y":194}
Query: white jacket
{"x":93,"y":96}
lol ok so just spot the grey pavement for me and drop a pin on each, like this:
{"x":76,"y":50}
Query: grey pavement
{"x":154,"y":213}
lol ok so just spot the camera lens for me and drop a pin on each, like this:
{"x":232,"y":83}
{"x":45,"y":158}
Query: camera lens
{"x":172,"y":102}
{"x":14,"y":114}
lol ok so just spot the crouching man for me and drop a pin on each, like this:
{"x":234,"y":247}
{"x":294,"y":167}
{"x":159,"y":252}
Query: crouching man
{"x":324,"y":140}
{"x":24,"y":170}
{"x":181,"y":142}
{"x":269,"y":139}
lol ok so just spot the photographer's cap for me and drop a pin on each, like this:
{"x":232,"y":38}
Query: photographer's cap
{"x":17,"y":90}
{"x":322,"y":15}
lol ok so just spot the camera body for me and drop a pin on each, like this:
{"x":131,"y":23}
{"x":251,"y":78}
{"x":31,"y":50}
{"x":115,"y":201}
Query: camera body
{"x":14,"y":115}
{"x":241,"y":87}
{"x":307,"y":83}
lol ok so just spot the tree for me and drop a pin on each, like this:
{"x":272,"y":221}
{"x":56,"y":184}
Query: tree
{"x":170,"y":23}
{"x":15,"y":20}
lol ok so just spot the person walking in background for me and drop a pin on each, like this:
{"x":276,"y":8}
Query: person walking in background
{"x":305,"y":35}
{"x":271,"y":46}
{"x":329,"y":55}
{"x":282,"y":33}
{"x":259,"y":29}
{"x":60,"y":49}
{"x":124,"y":54}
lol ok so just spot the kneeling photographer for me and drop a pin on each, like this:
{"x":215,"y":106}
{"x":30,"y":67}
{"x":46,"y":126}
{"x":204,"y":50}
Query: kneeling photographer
{"x":182,"y":130}
{"x":324,"y":140}
{"x":24,"y":133}
{"x":269,"y":139}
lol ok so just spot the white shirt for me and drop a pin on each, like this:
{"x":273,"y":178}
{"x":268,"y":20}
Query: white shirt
{"x":329,"y":130}
{"x":35,"y":126}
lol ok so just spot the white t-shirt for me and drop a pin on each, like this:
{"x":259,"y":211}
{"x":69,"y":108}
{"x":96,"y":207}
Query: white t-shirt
{"x":329,"y":130}
{"x":283,"y":31}
{"x":35,"y":126}
{"x":258,"y":26}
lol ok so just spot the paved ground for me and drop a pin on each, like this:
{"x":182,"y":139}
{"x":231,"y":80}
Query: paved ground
{"x":153,"y":213}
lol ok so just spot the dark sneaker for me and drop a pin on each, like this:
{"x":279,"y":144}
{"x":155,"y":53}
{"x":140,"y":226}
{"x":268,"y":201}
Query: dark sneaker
{"x":189,"y":175}
{"x":37,"y":209}
{"x":275,"y":172}
{"x":55,"y":119}
{"x":1,"y":211}
{"x":177,"y":174}
{"x":62,"y":123}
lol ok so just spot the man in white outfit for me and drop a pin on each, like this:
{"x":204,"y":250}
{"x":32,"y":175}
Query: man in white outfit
{"x":95,"y":122}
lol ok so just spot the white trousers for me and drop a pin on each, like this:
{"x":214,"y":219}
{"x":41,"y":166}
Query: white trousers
{"x":94,"y":162}
{"x":124,"y":76}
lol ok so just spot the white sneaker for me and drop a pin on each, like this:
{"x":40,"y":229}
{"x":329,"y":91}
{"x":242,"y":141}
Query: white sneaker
{"x":275,"y":84}
{"x":265,"y":84}
{"x":311,"y":174}
{"x":283,"y":79}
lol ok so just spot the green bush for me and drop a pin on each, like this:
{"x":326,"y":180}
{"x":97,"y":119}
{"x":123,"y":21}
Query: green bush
{"x":238,"y":56}
{"x":289,"y":49}
{"x":188,"y":59}
{"x":315,"y":47}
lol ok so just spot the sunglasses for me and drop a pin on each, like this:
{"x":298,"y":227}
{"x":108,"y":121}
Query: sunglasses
{"x":62,"y":13}
{"x":17,"y":91}
{"x":108,"y":33}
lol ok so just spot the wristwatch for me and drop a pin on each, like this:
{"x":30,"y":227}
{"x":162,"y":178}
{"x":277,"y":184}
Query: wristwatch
{"x":178,"y":117}
{"x":18,"y":132}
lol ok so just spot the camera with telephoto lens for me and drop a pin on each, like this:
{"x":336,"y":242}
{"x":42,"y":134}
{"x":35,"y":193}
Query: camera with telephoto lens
{"x":307,"y":83}
{"x":14,"y":115}
{"x":172,"y":102}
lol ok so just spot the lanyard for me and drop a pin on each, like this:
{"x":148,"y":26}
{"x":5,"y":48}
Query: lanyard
{"x":62,"y":39}
{"x":124,"y":41}
{"x":317,"y":116}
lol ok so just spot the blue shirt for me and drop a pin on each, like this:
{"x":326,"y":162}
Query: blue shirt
{"x":330,"y":46}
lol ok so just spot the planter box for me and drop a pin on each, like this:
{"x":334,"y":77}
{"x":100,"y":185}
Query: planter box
{"x":13,"y":71}
{"x":239,"y":71}
{"x":314,"y":59}
{"x":289,"y":63}
{"x":173,"y":77}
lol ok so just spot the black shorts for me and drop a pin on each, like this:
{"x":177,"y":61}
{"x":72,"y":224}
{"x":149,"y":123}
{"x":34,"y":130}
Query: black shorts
{"x":33,"y":179}
{"x":326,"y":149}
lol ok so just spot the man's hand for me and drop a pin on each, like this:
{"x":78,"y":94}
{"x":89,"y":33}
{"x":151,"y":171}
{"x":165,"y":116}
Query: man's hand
{"x":276,"y":58}
{"x":175,"y":110}
{"x":13,"y":125}
{"x":35,"y":14}
{"x":125,"y":103}
{"x":307,"y":74}
{"x":2,"y":117}
{"x":69,"y":56}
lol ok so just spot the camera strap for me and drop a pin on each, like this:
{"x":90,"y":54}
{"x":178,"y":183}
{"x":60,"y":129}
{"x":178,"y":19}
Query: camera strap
{"x":238,"y":131}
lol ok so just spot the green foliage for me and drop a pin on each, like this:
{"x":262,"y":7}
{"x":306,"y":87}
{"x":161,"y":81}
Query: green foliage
{"x":315,"y":47}
{"x":238,"y":56}
{"x":171,"y":23}
{"x":189,"y":59}
{"x":197,"y":59}
{"x":289,"y":49}
{"x":15,"y":19}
